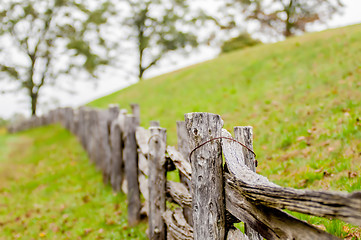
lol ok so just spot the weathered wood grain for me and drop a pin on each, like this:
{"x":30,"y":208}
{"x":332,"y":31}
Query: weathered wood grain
{"x":131,"y":168}
{"x":232,"y":150}
{"x":179,"y":194}
{"x":104,"y":147}
{"x":110,"y":115}
{"x":142,"y":135}
{"x":241,"y":205}
{"x":245,"y":135}
{"x":183,"y":148}
{"x":117,"y":165}
{"x":113,"y":112}
{"x":144,"y":186}
{"x":117,"y":145}
{"x":136,"y":112}
{"x":86,"y":134}
{"x":91,"y":123}
{"x":271,"y":223}
{"x":177,"y":226}
{"x":125,"y":185}
{"x":207,"y":176}
{"x":343,"y":206}
{"x":235,"y":233}
{"x":144,"y":189}
{"x":143,"y":164}
{"x":179,"y":161}
{"x":67,"y":118}
{"x":183,"y":139}
{"x":157,"y":183}
{"x":75,"y":124}
{"x":84,"y":121}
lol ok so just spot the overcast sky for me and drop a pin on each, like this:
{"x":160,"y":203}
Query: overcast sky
{"x":113,"y":80}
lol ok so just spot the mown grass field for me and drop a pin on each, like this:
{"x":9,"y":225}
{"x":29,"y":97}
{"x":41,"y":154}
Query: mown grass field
{"x":49,"y":190}
{"x":302,"y":96}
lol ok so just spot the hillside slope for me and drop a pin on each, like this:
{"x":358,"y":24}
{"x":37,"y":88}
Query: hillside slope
{"x":302,"y":96}
{"x":48,"y":190}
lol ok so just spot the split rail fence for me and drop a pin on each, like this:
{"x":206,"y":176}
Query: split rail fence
{"x":212,"y":193}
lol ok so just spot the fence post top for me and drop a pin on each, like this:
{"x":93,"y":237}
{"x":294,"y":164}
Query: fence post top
{"x":196,"y":114}
{"x":243,"y":127}
{"x":157,"y":128}
{"x":159,"y":132}
{"x":113,"y":105}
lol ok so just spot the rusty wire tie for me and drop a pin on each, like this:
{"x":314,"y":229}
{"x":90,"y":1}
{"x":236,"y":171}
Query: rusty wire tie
{"x":228,"y":138}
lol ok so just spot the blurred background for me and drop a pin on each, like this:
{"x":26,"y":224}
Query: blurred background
{"x":82,"y":35}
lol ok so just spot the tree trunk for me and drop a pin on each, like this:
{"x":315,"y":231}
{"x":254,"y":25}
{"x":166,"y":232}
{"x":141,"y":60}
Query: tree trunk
{"x":141,"y":52}
{"x":288,"y":33}
{"x":141,"y":72}
{"x":289,"y":25}
{"x":34,"y":103}
{"x":141,"y":69}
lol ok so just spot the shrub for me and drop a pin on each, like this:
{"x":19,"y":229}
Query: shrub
{"x":242,"y":41}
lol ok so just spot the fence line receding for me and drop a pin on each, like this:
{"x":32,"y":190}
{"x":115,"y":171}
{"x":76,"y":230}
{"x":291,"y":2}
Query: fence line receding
{"x":211,"y":196}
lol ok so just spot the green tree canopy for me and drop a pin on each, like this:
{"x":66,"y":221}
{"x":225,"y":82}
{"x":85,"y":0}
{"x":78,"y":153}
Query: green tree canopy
{"x":162,"y":26}
{"x":48,"y":39}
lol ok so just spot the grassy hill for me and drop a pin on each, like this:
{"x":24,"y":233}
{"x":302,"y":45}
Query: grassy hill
{"x":302,"y":96}
{"x":48,"y":190}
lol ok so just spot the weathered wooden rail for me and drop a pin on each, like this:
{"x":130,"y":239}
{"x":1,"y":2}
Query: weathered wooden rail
{"x":211,"y":195}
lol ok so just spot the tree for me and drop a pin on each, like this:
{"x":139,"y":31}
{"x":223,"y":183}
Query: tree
{"x":159,"y":27}
{"x":49,"y":39}
{"x":288,"y":17}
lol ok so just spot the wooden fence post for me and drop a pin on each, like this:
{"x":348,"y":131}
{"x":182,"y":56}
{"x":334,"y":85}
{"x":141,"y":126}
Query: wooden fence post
{"x":113,"y":111}
{"x":104,"y":147}
{"x":93,"y":135}
{"x":136,"y":112}
{"x":157,"y":183}
{"x":68,"y":115}
{"x":75,"y":124}
{"x":97,"y":148}
{"x":131,"y":169}
{"x":117,"y":143}
{"x":108,"y":117}
{"x":207,"y":176}
{"x":183,"y":148}
{"x":244,"y":135}
{"x":83,"y":121}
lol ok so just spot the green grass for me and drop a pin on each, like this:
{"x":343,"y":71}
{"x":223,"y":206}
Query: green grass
{"x":48,"y":190}
{"x":302,"y":96}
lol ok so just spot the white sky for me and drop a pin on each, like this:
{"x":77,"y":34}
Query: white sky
{"x":113,"y":80}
